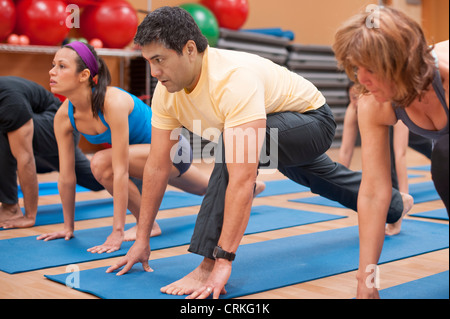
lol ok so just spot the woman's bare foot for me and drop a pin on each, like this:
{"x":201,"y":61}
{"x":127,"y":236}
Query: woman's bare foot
{"x":156,"y":230}
{"x":130,"y":234}
{"x":191,"y":282}
{"x":8,"y":212}
{"x":394,"y":228}
{"x":260,"y":187}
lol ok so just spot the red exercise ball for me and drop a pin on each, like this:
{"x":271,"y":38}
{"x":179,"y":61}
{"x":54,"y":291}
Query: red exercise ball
{"x":44,"y":22}
{"x":83,"y":3}
{"x":114,"y":22}
{"x":230,"y":14}
{"x":13,"y":39}
{"x":7,"y":18}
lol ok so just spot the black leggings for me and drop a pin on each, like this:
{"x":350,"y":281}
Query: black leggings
{"x":439,"y":168}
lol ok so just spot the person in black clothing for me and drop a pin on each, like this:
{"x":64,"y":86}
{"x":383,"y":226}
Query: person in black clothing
{"x":28,"y":146}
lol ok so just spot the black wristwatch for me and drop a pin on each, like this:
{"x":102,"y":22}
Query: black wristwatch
{"x":220,"y":253}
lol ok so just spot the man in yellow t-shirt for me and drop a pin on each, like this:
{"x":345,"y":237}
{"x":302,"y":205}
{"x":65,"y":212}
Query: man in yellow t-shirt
{"x":243,"y":102}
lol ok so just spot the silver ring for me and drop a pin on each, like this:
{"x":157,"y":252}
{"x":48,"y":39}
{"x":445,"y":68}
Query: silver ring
{"x":209,"y":290}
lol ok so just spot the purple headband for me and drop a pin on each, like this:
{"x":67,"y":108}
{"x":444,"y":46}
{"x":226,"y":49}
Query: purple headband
{"x":85,"y":55}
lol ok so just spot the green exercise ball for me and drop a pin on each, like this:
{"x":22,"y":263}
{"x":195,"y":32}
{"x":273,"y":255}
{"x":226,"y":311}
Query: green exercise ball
{"x":206,"y":21}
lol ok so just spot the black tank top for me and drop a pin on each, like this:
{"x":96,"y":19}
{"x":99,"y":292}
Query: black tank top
{"x":440,"y":92}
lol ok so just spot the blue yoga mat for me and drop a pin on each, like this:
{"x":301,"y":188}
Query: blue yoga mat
{"x":27,"y":253}
{"x":267,"y":265}
{"x":278,"y":187}
{"x":433,"y":214}
{"x":52,"y":214}
{"x":51,"y":188}
{"x":431,"y":287}
{"x":421,"y":192}
{"x":426,"y":168}
{"x":99,"y":208}
{"x":282,"y":187}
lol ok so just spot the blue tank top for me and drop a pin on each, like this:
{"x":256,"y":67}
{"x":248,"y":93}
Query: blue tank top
{"x":139,"y":123}
{"x":401,"y":114}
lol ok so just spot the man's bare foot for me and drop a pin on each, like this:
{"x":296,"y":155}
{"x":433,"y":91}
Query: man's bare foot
{"x":8,"y":212}
{"x":130,"y":234}
{"x":394,"y":228}
{"x":260,"y":187}
{"x":191,"y":282}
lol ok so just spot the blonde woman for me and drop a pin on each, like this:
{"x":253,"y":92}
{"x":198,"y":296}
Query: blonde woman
{"x":401,"y":78}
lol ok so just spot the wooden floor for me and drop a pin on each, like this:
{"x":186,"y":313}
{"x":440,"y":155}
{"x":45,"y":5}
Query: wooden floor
{"x":34,"y":285}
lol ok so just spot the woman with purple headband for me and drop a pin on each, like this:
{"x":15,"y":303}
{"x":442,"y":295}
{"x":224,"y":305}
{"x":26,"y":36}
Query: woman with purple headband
{"x":105,"y":114}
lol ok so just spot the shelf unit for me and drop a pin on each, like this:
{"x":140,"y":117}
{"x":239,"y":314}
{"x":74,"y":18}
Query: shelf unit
{"x":122,"y":54}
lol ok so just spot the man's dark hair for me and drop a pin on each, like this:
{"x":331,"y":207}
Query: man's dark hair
{"x":173,"y":27}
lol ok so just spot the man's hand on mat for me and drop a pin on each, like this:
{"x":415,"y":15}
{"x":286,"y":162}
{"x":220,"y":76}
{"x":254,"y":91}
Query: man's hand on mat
{"x":112,"y":243}
{"x":138,"y":253}
{"x":66,"y":234}
{"x":216,"y":281}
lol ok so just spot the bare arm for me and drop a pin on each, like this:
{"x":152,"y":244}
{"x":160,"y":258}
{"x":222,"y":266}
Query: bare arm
{"x":21,"y":144}
{"x":349,"y":135}
{"x":376,"y":189}
{"x":442,"y":51}
{"x":67,"y":177}
{"x":242,"y":165}
{"x":401,"y":137}
{"x":118,"y":105}
{"x":156,"y":176}
{"x":242,"y":157}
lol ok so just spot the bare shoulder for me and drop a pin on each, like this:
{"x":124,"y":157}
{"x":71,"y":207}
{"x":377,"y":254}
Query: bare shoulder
{"x":63,"y":112}
{"x":61,"y":120}
{"x":117,"y":100}
{"x":373,"y":113}
{"x":442,"y":52}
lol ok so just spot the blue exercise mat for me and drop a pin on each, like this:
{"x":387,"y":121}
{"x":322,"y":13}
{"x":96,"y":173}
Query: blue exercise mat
{"x":431,"y":287}
{"x":27,"y":253}
{"x":421,"y":192}
{"x":433,"y":214}
{"x":282,"y":187}
{"x":51,"y":188}
{"x":52,"y":214}
{"x":99,"y":208}
{"x":426,"y":168}
{"x":267,"y":265}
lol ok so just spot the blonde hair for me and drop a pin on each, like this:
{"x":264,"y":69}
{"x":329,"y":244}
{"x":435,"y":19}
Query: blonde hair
{"x":394,"y":48}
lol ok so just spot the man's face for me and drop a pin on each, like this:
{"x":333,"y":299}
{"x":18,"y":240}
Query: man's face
{"x":176,"y":72}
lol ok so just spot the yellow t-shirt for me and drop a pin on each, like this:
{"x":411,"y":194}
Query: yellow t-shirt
{"x":234,"y":88}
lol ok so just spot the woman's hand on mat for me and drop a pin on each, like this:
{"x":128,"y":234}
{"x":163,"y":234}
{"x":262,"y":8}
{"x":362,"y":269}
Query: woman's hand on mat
{"x":112,"y":243}
{"x":366,"y":288}
{"x":138,"y":253}
{"x":216,"y":281}
{"x":66,"y":234}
